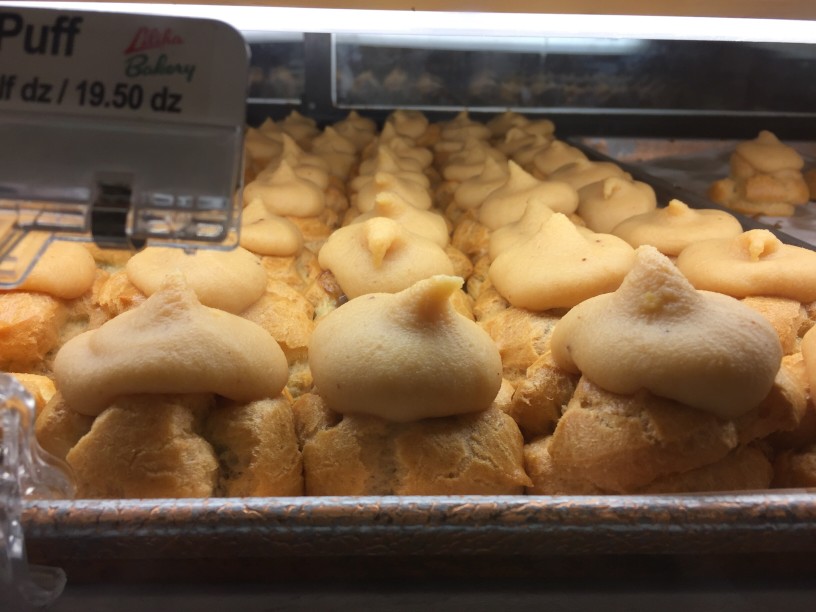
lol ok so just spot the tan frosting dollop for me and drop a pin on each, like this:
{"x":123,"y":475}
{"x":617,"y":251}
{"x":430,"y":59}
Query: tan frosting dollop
{"x":556,"y":156}
{"x":301,"y":128}
{"x":674,"y":227}
{"x":766,"y":155}
{"x":407,"y":356}
{"x":508,"y":236}
{"x":262,"y":146}
{"x":65,"y":270}
{"x":471,"y":193}
{"x":604,"y":204}
{"x":470,"y":161}
{"x":581,"y":173}
{"x":386,"y":159}
{"x":359,"y":130}
{"x":522,"y":146}
{"x":265,"y":233}
{"x":307,"y":166}
{"x":410,"y":123}
{"x":560,"y":266}
{"x":380,"y":256}
{"x":413,"y":192}
{"x":170,"y":344}
{"x":507,"y":203}
{"x":338,"y":152}
{"x":502,"y":123}
{"x":425,"y":223}
{"x":462,"y":128}
{"x":284,"y":192}
{"x":227,"y":280}
{"x":753,"y":263}
{"x":405,"y":147}
{"x":656,"y":332}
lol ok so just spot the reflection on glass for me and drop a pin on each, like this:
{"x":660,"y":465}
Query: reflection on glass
{"x":276,"y":67}
{"x":573,"y":73}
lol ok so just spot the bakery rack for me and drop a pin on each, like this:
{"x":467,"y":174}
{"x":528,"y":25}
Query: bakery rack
{"x":616,"y":84}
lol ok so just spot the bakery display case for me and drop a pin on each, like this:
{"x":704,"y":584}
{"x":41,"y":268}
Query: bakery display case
{"x":666,"y":99}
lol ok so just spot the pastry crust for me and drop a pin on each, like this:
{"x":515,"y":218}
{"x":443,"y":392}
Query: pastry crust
{"x":30,"y":325}
{"x":622,"y":443}
{"x":257,"y":449}
{"x":475,"y":454}
{"x":146,"y":446}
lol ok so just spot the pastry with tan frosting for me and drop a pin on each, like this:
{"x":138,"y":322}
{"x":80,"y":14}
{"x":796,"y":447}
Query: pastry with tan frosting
{"x":674,"y":227}
{"x":412,"y":124}
{"x":381,"y":256}
{"x":470,"y":454}
{"x":462,"y":127}
{"x":146,"y":447}
{"x":455,"y":366}
{"x":500,"y":124}
{"x":206,"y":271}
{"x":560,"y":267}
{"x":507,"y":203}
{"x":652,"y":413}
{"x":604,"y":204}
{"x":300,"y":128}
{"x":306,"y":165}
{"x":753,"y":263}
{"x":765,"y":178}
{"x":339,"y":152}
{"x":535,"y":215}
{"x":170,"y":344}
{"x":408,"y":186}
{"x":425,"y":223}
{"x":581,"y":173}
{"x":286,"y":193}
{"x":359,"y":130}
{"x":472,"y":192}
{"x":385,"y":159}
{"x":470,"y":161}
{"x":522,"y":145}
{"x":434,"y":432}
{"x":265,"y":233}
{"x":657,"y":332}
{"x":402,"y":147}
{"x":49,"y":306}
{"x":556,"y":156}
{"x":260,"y":148}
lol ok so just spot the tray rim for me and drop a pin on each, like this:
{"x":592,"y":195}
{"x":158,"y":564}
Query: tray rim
{"x":719,"y":523}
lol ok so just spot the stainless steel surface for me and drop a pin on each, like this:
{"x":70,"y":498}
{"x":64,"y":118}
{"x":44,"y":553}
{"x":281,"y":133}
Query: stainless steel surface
{"x":60,"y":532}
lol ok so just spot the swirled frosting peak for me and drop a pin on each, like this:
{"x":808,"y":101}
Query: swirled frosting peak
{"x":284,"y":192}
{"x":657,"y":332}
{"x":428,"y":224}
{"x":672,"y":228}
{"x":170,"y":344}
{"x":412,"y":356}
{"x":560,"y":266}
{"x":753,"y":263}
{"x":379,"y":255}
{"x":507,"y":203}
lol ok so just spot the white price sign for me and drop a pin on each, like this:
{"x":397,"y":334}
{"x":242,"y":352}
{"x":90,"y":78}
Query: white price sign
{"x":135,"y":66}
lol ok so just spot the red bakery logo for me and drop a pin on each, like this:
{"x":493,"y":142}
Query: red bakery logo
{"x":147,"y":39}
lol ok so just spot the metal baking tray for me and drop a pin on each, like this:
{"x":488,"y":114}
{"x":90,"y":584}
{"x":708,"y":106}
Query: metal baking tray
{"x":230,"y":539}
{"x":465,"y":536}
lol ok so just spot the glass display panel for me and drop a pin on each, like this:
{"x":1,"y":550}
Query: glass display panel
{"x":574,"y":74}
{"x":276,"y":67}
